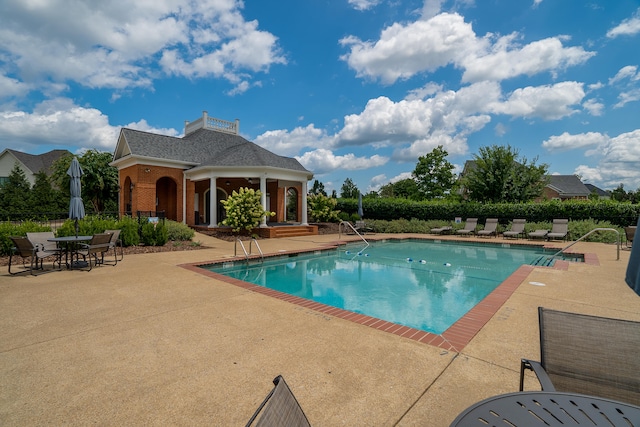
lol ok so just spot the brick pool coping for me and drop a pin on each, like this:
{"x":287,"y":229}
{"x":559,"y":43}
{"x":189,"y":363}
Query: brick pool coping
{"x":453,"y":339}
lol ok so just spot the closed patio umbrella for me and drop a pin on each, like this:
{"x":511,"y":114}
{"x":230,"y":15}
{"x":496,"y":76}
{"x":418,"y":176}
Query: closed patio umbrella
{"x":360,"y":210}
{"x":633,"y":269}
{"x":76,"y":206}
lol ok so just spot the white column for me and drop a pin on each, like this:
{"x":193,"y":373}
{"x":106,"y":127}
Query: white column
{"x":304,"y":204}
{"x":263,"y":198}
{"x":213,"y":202}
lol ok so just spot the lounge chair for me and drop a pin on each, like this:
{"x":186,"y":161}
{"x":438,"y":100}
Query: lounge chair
{"x":279,"y":408}
{"x":362,"y":227}
{"x":559,"y":230}
{"x":114,"y":243}
{"x":25,"y":248}
{"x":538,"y":234}
{"x":490,"y":228}
{"x":442,"y":230}
{"x":588,"y":355}
{"x":630,"y":233}
{"x":517,"y":229}
{"x":469,"y":227}
{"x":95,"y":249}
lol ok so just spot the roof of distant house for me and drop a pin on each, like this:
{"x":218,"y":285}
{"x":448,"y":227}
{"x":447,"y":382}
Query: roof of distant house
{"x":598,"y":191}
{"x":568,"y":186}
{"x":39,"y":162}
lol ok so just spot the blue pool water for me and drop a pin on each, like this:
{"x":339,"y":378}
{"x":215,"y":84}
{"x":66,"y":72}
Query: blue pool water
{"x":427,"y":285}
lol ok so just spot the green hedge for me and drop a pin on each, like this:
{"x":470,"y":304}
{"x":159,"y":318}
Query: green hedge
{"x":619,"y":214}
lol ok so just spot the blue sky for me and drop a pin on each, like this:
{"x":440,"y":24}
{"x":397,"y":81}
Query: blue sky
{"x":352,"y":88}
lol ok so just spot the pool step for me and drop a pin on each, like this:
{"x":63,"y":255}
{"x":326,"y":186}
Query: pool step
{"x":543,"y":261}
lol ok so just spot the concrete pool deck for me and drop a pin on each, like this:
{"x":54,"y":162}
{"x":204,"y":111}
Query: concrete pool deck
{"x":151,"y":343}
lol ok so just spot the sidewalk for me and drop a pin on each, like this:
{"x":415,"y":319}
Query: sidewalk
{"x":150,"y":343}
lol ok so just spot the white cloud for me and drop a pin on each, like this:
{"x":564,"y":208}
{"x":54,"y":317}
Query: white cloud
{"x":618,"y":161}
{"x":379,"y":180}
{"x":566,"y":141}
{"x":10,"y":87}
{"x":628,"y":27}
{"x":403,"y":51}
{"x":626,"y":80}
{"x":593,"y":107}
{"x":363,"y":4}
{"x":118,"y":45}
{"x":61,"y":123}
{"x":506,"y":59}
{"x":323,"y":161}
{"x":550,"y":102}
{"x":287,"y":143}
{"x":628,"y":72}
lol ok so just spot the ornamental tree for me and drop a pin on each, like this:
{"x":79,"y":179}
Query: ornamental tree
{"x":244,"y":210}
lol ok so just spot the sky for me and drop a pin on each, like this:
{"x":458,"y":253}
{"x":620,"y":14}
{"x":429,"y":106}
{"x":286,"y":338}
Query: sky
{"x":355,"y":89}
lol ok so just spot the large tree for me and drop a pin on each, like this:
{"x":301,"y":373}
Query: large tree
{"x":349,"y":190}
{"x":317,"y":188}
{"x":44,"y":198}
{"x":434,"y":174}
{"x":15,"y":193}
{"x":499,"y":175}
{"x":99,"y":180}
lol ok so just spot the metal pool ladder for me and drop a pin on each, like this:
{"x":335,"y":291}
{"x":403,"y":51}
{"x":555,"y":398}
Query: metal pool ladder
{"x":347,"y":223}
{"x":246,"y":254}
{"x":593,"y":231}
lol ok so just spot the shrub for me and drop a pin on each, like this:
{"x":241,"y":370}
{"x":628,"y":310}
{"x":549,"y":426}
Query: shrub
{"x":129,"y":231}
{"x":177,"y":231}
{"x":8,"y":229}
{"x":154,"y":234}
{"x":244,"y":209}
{"x":322,"y":208}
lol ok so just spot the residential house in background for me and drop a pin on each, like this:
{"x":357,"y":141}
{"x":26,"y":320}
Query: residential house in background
{"x":30,"y":164}
{"x":187,"y":177}
{"x":602,"y":194}
{"x":565,"y":187}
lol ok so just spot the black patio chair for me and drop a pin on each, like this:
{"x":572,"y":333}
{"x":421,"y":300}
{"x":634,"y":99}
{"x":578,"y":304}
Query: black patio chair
{"x":95,"y":249}
{"x":280,"y":408}
{"x":26,"y":249}
{"x":585,"y":354}
{"x":114,"y":243}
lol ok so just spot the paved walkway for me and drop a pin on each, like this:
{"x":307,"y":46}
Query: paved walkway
{"x":150,"y":343}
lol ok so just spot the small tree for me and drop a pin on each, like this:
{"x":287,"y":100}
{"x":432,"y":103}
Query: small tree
{"x":322,"y":208}
{"x":244,"y":210}
{"x":15,"y":192}
{"x":318,"y":188}
{"x":434,"y":174}
{"x":349,"y":190}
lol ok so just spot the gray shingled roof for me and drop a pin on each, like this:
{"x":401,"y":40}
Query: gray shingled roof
{"x":206,"y":148}
{"x":568,"y":185}
{"x":39,"y":162}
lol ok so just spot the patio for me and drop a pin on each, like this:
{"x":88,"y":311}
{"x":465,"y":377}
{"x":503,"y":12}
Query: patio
{"x":153,"y":343}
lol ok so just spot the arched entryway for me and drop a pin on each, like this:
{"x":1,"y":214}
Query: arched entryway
{"x":167,"y":197}
{"x":127,"y":191}
{"x":292,"y":204}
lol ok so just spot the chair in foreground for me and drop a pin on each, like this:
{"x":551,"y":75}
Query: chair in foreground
{"x":517,"y":229}
{"x":41,"y":240}
{"x":490,"y":228}
{"x":114,"y":243}
{"x":469,"y":227}
{"x":559,"y":230}
{"x":585,"y":354}
{"x":95,"y":249}
{"x":24,"y":248}
{"x":280,"y":408}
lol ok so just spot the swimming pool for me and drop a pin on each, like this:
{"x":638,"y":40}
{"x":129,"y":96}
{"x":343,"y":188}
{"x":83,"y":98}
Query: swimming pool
{"x":423,"y":284}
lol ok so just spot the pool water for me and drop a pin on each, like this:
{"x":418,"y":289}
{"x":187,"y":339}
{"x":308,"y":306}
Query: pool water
{"x":427,"y":285}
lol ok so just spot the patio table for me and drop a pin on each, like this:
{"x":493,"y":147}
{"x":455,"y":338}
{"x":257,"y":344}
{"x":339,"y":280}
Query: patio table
{"x":70,"y":245}
{"x":540,"y":408}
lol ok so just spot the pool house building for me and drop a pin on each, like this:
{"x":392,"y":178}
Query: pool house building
{"x":186,"y":178}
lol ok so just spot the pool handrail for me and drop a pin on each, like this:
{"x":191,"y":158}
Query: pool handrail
{"x":592,"y":231}
{"x":246,"y":254}
{"x":355,"y":231}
